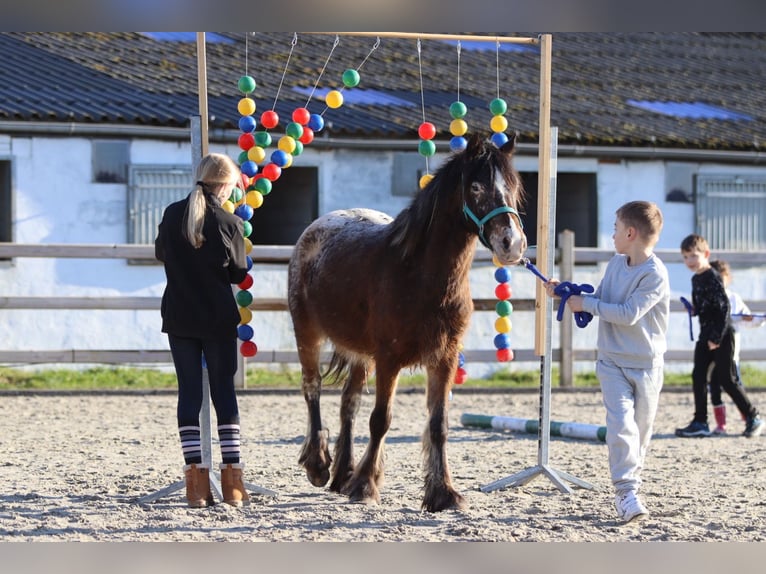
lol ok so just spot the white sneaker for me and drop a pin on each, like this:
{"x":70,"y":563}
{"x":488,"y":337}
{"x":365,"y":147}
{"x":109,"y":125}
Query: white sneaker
{"x":629,"y":506}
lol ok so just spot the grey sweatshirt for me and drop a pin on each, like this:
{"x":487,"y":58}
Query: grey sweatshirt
{"x":633,"y":307}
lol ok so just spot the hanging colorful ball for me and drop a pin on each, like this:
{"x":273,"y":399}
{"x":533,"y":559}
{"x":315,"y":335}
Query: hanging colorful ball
{"x":254,"y":198}
{"x":503,"y":291}
{"x":286,"y":144}
{"x":301,"y":116}
{"x":498,"y":123}
{"x":246,"y":84}
{"x":350,"y":78}
{"x":504,"y":355}
{"x":299,"y":144}
{"x":498,"y":107}
{"x":248,"y":245}
{"x":236,"y":195}
{"x":499,"y":139}
{"x":247,"y":228}
{"x":228,"y":206}
{"x":502,"y":275}
{"x":245,"y":332}
{"x":425,"y":180}
{"x":504,"y":308}
{"x":245,"y":315}
{"x":246,"y":283}
{"x":263,"y":186}
{"x":248,"y":259}
{"x":458,"y":127}
{"x":256,"y":153}
{"x":457,"y":110}
{"x":244,"y":298}
{"x":247,"y":124}
{"x":460,"y":359}
{"x":458,"y":143}
{"x":427,"y":131}
{"x":307,"y":136}
{"x":248,"y":349}
{"x":503,"y":325}
{"x":294,"y":130}
{"x":262,"y":139}
{"x":278,"y":158}
{"x":426,"y":148}
{"x":269,"y":119}
{"x":242,"y":157}
{"x":246,"y":141}
{"x":249,"y":168}
{"x":502,"y":341}
{"x":271,"y":171}
{"x":333,"y":99}
{"x":246,"y":106}
{"x":460,"y":376}
{"x":316,"y":122}
{"x":244,"y":211}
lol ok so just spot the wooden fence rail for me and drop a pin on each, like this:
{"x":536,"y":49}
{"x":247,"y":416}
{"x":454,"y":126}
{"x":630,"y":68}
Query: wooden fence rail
{"x":565,"y":355}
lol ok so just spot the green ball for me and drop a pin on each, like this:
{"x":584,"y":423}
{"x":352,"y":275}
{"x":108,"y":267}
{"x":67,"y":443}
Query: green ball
{"x":427,"y":148}
{"x":236,"y":194}
{"x":350,"y":78}
{"x":298,"y":148}
{"x":457,"y":110}
{"x":263,"y":185}
{"x":242,"y":158}
{"x":294,"y":130}
{"x":498,"y":106}
{"x":246,"y":84}
{"x":244,"y":298}
{"x":504,"y":308}
{"x":263,"y":139}
{"x":247,"y":228}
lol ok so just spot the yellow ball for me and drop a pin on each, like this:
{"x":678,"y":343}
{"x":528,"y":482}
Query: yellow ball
{"x":248,"y":245}
{"x":289,"y":161}
{"x":458,"y":127}
{"x":245,"y":315}
{"x":503,"y":325}
{"x":254,"y":199}
{"x":498,"y":124}
{"x":286,"y":144}
{"x":256,"y":154}
{"x":246,"y":106}
{"x":334,"y":99}
{"x":425,"y":180}
{"x":228,"y":206}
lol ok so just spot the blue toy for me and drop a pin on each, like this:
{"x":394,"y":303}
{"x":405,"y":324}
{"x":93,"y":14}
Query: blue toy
{"x":565,"y":290}
{"x":690,"y":311}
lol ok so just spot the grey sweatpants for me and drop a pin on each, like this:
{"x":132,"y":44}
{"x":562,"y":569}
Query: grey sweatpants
{"x":630,"y":397}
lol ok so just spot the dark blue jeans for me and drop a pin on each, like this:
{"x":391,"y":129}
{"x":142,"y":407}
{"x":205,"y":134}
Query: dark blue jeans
{"x":221,"y":360}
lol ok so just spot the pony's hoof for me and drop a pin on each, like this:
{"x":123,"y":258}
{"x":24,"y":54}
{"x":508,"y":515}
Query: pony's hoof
{"x":446,"y":500}
{"x":363,"y":494}
{"x":318,"y":478}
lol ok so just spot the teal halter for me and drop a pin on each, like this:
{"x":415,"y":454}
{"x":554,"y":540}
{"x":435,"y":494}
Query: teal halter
{"x":480,"y":222}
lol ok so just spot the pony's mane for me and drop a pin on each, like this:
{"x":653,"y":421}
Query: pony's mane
{"x":411,"y":227}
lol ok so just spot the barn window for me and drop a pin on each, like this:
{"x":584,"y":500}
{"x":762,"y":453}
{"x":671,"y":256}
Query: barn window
{"x":730,"y":211}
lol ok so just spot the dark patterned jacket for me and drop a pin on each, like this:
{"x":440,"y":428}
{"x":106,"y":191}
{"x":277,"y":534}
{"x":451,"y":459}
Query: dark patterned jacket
{"x":198,"y":301}
{"x":711,"y":305}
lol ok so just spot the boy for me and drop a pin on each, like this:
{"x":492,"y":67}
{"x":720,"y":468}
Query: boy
{"x":633,"y":306}
{"x":715,"y":344}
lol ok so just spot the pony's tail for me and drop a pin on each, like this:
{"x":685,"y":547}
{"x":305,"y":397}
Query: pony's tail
{"x":337,"y":369}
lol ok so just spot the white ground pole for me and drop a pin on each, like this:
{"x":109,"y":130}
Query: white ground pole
{"x":198,"y":144}
{"x":543,"y":467}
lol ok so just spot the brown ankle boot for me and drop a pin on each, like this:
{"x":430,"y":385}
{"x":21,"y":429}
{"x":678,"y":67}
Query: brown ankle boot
{"x":233,"y":487}
{"x":198,"y":494}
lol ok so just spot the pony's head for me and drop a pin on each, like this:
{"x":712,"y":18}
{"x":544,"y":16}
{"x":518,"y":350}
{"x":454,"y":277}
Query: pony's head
{"x":492,"y":194}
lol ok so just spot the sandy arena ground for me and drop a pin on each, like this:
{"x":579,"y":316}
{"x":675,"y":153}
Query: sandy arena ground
{"x":73,"y":467}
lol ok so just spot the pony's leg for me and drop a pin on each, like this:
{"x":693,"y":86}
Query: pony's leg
{"x":315,"y":452}
{"x":343,"y":463}
{"x":368,"y":474}
{"x":439,"y":493}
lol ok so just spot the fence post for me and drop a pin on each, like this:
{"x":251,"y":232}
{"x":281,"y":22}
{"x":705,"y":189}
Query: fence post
{"x":566,"y":268}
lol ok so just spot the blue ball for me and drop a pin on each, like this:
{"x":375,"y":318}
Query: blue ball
{"x":279,"y":157}
{"x":245,"y":332}
{"x":249,"y":168}
{"x":244,"y":211}
{"x":247,"y":124}
{"x":250,"y":263}
{"x":502,"y":275}
{"x":458,"y":143}
{"x":460,"y":360}
{"x":316,"y":122}
{"x":499,"y":139}
{"x":502,"y":341}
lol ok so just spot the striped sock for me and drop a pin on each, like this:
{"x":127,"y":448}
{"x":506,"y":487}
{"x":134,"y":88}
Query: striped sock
{"x":228,"y":436}
{"x":191,"y":445}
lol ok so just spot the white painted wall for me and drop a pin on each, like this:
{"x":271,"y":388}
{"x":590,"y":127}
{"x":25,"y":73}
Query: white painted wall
{"x":55,"y":202}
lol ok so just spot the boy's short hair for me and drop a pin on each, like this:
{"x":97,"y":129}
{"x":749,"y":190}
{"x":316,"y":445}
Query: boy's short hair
{"x":721,"y":266}
{"x":694,"y":242}
{"x":645,"y":216}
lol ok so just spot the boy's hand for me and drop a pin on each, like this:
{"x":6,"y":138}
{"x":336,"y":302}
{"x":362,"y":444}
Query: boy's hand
{"x":712,"y":346}
{"x":575,"y":303}
{"x":550,"y":286}
{"x":747,"y":318}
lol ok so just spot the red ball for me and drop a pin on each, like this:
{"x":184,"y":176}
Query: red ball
{"x":307,"y":137}
{"x":460,"y":376}
{"x":246,"y":283}
{"x":301,"y":116}
{"x":271,"y":171}
{"x":504,"y":355}
{"x":503,"y":291}
{"x":269,"y":119}
{"x":427,"y":131}
{"x":248,"y":349}
{"x":246,"y":141}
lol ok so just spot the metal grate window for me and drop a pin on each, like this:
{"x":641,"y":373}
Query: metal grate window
{"x":731,"y":211}
{"x":151,"y":189}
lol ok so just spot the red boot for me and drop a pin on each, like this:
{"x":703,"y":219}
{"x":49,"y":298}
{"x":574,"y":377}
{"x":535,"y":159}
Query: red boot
{"x":720,"y":419}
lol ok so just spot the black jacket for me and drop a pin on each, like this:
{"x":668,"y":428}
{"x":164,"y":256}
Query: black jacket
{"x":198,"y":301}
{"x":711,"y":304}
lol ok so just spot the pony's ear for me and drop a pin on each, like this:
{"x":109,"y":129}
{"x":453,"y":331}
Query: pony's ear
{"x":475,"y":145}
{"x":510,"y":145}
